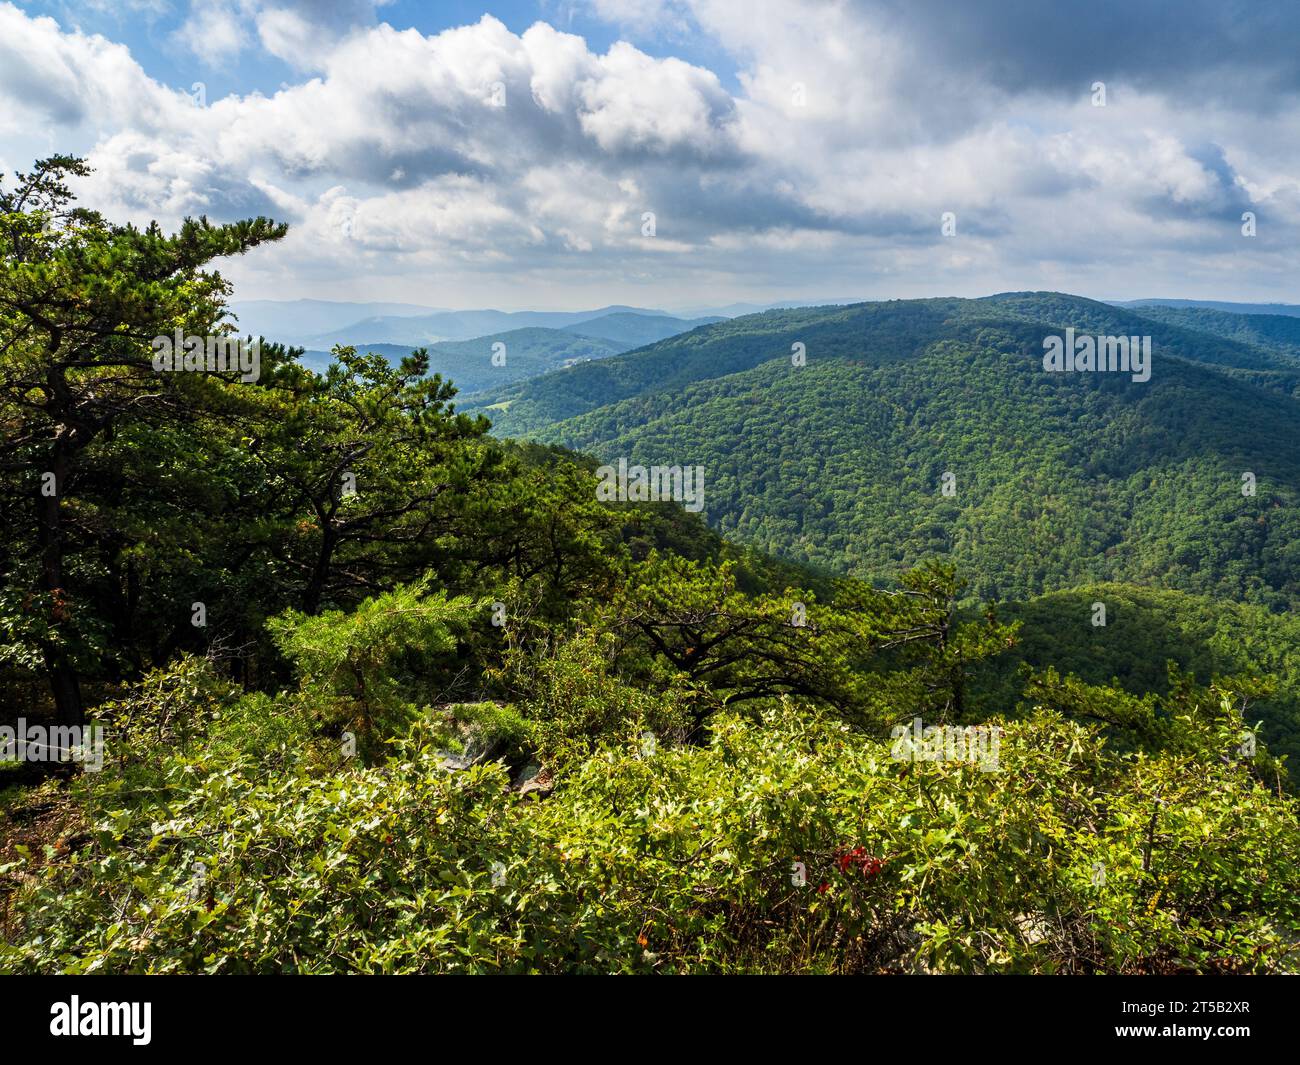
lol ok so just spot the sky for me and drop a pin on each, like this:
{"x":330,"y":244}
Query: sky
{"x":684,"y":153}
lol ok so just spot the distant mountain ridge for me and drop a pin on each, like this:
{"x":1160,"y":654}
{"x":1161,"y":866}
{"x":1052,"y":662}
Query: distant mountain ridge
{"x":1289,"y":309}
{"x":320,"y":324}
{"x":297,"y":321}
{"x":496,"y":360}
{"x":894,"y":329}
{"x":478,"y":364}
{"x":459,"y":325}
{"x":634,"y":330}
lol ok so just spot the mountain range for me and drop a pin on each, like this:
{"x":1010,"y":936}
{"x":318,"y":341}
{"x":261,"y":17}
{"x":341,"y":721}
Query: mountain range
{"x":297,"y":321}
{"x":319,"y":324}
{"x":497,"y":359}
{"x":1289,"y":309}
{"x":1188,"y":481}
{"x":416,"y":327}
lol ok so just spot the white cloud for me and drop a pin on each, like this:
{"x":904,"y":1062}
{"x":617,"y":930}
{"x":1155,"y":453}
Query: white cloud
{"x":635,"y":102}
{"x":392,"y":160}
{"x":214,"y":32}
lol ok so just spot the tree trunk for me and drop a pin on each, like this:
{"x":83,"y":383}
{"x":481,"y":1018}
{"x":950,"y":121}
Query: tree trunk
{"x":65,"y":686}
{"x":320,"y":574}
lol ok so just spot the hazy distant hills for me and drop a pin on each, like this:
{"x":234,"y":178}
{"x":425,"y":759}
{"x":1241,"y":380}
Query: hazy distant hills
{"x":530,"y":350}
{"x":1290,"y":309}
{"x":1061,"y":478}
{"x":469,"y":363}
{"x":320,"y":324}
{"x":735,"y":310}
{"x":459,"y":325}
{"x":297,"y":321}
{"x":634,"y":330}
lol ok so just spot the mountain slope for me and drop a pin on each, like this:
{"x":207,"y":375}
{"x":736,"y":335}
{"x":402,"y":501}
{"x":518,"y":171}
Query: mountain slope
{"x":714,"y":351}
{"x":1145,"y":629}
{"x":1060,"y":479}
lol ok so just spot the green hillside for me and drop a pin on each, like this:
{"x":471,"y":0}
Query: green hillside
{"x":1060,"y":479}
{"x":1146,"y":629}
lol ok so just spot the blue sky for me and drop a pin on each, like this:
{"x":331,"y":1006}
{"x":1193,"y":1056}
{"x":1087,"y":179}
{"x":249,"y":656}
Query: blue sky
{"x":684,"y":152}
{"x":147,"y":30}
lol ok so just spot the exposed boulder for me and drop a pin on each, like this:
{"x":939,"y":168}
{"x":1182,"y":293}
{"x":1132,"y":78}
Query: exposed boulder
{"x":536,"y":780}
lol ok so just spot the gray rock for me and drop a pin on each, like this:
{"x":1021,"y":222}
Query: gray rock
{"x":534,"y":779}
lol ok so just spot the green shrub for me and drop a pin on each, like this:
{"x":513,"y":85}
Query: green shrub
{"x":683,"y":859}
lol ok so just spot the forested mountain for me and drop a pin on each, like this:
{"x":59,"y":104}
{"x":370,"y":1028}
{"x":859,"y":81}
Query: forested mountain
{"x":869,"y":332}
{"x":1146,"y":630}
{"x":1059,"y":479}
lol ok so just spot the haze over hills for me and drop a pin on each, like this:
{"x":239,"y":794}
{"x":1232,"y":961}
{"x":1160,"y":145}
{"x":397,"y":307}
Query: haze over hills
{"x":1061,"y":478}
{"x":736,"y":310}
{"x":469,"y":364}
{"x":320,"y":324}
{"x":458,"y":325}
{"x":479,"y":363}
{"x":634,"y":330}
{"x":297,"y":321}
{"x":1291,"y":309}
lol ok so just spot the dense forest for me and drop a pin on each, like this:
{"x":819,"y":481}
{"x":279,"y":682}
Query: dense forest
{"x":1056,"y":479}
{"x":385,"y":690}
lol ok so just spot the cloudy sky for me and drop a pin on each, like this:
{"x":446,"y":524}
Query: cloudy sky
{"x":461,"y":155}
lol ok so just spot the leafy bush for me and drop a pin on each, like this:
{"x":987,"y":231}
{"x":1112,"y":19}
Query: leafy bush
{"x":1068,"y":858}
{"x":572,"y":698}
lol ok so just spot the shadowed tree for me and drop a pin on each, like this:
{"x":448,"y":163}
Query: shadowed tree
{"x":81,"y":301}
{"x":375,"y":463}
